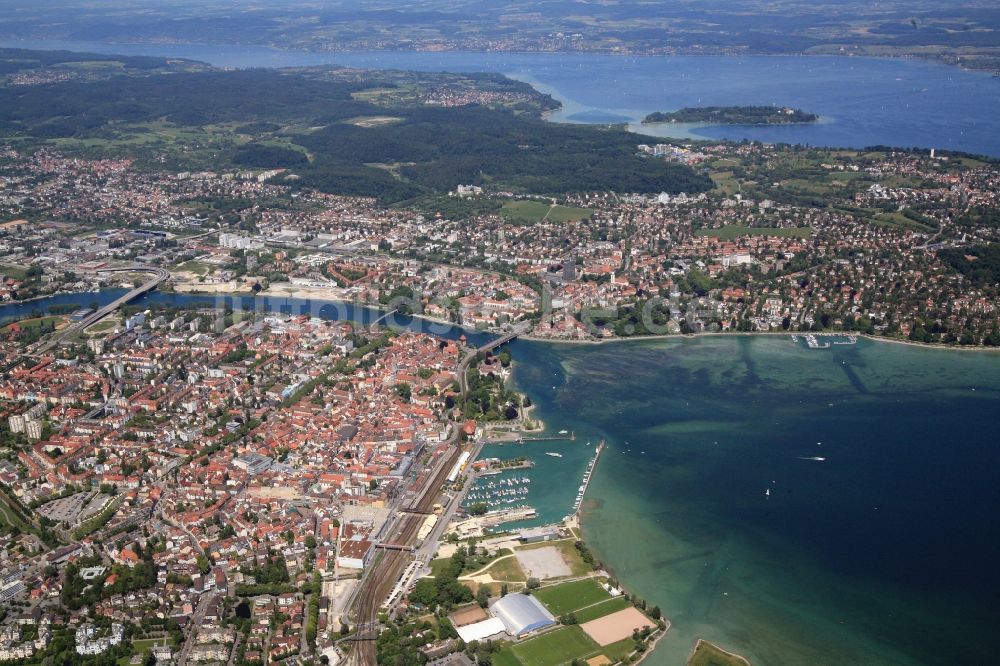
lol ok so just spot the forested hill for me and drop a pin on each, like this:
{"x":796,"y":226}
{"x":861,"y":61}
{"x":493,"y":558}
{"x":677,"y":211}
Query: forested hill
{"x":339,"y":134}
{"x":733,"y":115}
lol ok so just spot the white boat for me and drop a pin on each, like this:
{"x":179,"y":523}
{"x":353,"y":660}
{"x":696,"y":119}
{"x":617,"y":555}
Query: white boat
{"x":564,"y":432}
{"x":767,"y":493}
{"x":554,"y":455}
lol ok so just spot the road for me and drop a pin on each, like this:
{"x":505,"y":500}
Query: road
{"x":196,"y":620}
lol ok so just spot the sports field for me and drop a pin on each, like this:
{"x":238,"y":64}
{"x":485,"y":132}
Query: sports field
{"x":600,"y":609}
{"x":617,"y":626}
{"x":554,"y":648}
{"x":568,"y":597}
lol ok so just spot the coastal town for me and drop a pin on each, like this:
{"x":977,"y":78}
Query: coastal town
{"x":177,"y":490}
{"x":900,"y":247}
{"x":245,"y":420}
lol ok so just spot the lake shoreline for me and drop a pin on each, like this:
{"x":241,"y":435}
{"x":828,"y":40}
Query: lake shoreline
{"x":693,"y":336}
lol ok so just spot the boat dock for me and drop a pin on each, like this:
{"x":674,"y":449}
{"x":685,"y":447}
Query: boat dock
{"x":813,"y":340}
{"x":587,"y":476}
{"x":559,"y":438}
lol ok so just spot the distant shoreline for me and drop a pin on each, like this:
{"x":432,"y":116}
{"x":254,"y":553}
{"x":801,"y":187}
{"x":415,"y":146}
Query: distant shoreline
{"x":41,"y":44}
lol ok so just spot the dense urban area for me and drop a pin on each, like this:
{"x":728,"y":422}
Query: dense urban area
{"x":193,"y":476}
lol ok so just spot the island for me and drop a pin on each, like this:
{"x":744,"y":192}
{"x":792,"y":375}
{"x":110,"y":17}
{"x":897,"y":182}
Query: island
{"x":733,"y":115}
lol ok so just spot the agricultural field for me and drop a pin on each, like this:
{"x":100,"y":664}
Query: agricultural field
{"x":573,"y":596}
{"x":536,"y":211}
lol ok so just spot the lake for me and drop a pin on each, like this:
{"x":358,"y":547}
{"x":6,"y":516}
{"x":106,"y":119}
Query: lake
{"x":861,"y":101}
{"x":799,"y":506}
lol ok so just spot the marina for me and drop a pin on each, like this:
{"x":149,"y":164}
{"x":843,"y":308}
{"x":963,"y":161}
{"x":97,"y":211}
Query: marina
{"x":500,"y":493}
{"x":820,"y":341}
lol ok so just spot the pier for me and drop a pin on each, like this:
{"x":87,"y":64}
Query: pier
{"x":587,"y":476}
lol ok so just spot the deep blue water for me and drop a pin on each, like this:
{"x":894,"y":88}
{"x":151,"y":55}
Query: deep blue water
{"x":862,"y":101}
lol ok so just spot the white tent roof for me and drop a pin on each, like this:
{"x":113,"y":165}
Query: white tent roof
{"x":521,"y":613}
{"x":480,"y":630}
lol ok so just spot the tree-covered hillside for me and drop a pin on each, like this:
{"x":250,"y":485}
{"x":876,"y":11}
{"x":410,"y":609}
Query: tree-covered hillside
{"x":326,"y":132}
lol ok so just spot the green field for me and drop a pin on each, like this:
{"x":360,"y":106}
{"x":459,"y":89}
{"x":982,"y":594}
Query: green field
{"x":706,"y":654}
{"x":536,"y":211}
{"x":103,"y":326}
{"x":14,"y":272}
{"x":193,"y":266}
{"x":556,"y":647}
{"x":618,"y":651}
{"x":600,"y":609}
{"x":732,"y":231}
{"x":439,"y":565}
{"x":567,"y":597}
{"x":141,"y":644}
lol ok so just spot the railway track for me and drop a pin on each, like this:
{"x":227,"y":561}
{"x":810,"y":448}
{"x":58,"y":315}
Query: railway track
{"x":387,"y":569}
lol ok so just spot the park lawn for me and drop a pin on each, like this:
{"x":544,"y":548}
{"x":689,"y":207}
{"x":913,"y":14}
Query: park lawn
{"x":193,"y":266}
{"x":896,"y":219}
{"x":507,"y":570}
{"x":732,"y":231}
{"x":567,"y":597}
{"x":439,"y":565}
{"x":619,"y":650}
{"x":706,"y":654}
{"x":14,"y":272}
{"x":725,"y":182}
{"x":141,"y":644}
{"x":600,"y":609}
{"x":536,"y":211}
{"x":556,"y":647}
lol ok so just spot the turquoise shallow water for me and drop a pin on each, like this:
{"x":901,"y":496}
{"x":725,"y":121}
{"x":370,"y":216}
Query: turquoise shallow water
{"x":884,"y":552}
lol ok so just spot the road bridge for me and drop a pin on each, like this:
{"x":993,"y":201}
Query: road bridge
{"x":160,"y":275}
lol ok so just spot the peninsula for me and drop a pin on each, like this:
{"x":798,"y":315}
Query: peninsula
{"x":733,"y":115}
